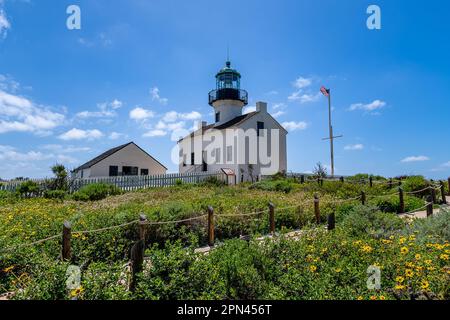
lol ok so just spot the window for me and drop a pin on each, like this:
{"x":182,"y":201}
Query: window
{"x":192,"y":158}
{"x":229,"y":153}
{"x":113,"y":171}
{"x":130,"y":171}
{"x":144,"y":172}
{"x":217,"y":116}
{"x":217,"y":154}
{"x":260,"y":126}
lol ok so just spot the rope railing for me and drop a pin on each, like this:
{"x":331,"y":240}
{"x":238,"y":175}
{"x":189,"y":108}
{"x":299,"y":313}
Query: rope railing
{"x":418,"y":191}
{"x":199,"y":217}
{"x":410,"y":213}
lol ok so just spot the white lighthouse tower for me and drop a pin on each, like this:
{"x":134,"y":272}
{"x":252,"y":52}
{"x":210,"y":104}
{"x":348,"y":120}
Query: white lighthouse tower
{"x":228,"y":99}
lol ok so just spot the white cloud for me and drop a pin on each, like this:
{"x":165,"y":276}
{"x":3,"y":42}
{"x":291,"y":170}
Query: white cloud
{"x":294,"y":126}
{"x":140,"y":114}
{"x":106,"y":110}
{"x":7,"y":83}
{"x":21,"y":114}
{"x":370,"y":107}
{"x":5,"y":25}
{"x":8,"y":153}
{"x":79,"y":134}
{"x":155,"y":133}
{"x":415,"y":159}
{"x":278,"y":114}
{"x":279,"y":106}
{"x":116,"y":135}
{"x":64,"y":149}
{"x":249,"y":109}
{"x":173,"y":116}
{"x":155,"y":96}
{"x":446,"y":165}
{"x":354,"y":147}
{"x":116,"y":104}
{"x":304,"y":97}
{"x":301,"y":82}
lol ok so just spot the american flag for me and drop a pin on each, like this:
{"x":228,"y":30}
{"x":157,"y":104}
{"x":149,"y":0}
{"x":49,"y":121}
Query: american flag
{"x":325,"y":91}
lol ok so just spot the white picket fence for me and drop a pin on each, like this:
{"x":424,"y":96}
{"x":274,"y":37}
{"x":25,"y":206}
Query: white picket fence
{"x":128,"y":183}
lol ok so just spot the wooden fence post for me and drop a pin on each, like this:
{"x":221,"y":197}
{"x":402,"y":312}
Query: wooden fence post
{"x":137,"y":262}
{"x":444,"y":199}
{"x":429,"y":206}
{"x":137,"y":252}
{"x":433,"y":194}
{"x":341,"y":179}
{"x":331,"y":221}
{"x":67,"y":235}
{"x":317,"y":208}
{"x":371,"y":181}
{"x":402,"y":200}
{"x":142,"y":224}
{"x":272,"y":218}
{"x":302,"y":179}
{"x":363,"y":198}
{"x":390,"y":183}
{"x":210,"y":226}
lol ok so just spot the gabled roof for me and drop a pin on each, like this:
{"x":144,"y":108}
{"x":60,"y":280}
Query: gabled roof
{"x":110,"y":152}
{"x":225,"y":125}
{"x":233,"y":122}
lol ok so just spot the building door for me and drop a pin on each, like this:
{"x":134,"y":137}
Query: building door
{"x":204,"y":164}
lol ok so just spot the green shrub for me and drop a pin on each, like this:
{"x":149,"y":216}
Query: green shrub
{"x":414,"y":184}
{"x":392,"y":203}
{"x":55,"y":194}
{"x":274,"y":185}
{"x":363,"y":220}
{"x":28,"y":188}
{"x":435,"y":228}
{"x":212,"y":181}
{"x":95,"y":192}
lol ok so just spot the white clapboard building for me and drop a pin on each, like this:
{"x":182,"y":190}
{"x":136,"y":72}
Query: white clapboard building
{"x":243,"y":145}
{"x":125,"y":160}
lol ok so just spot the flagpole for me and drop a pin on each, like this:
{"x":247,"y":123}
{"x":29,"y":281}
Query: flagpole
{"x":331,"y":133}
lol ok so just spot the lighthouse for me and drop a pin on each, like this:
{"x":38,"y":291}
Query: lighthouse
{"x":228,"y":98}
{"x":242,"y":146}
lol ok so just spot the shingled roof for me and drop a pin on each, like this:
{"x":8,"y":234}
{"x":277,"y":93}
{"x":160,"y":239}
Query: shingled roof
{"x":108,"y":153}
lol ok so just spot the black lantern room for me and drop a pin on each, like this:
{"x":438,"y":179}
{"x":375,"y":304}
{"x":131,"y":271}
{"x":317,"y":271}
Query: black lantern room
{"x":228,"y":86}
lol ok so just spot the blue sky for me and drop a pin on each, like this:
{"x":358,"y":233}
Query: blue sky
{"x":141,"y":71}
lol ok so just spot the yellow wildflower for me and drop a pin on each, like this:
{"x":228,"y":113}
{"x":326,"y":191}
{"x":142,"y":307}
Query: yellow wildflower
{"x":404,"y":250}
{"x":399,"y":287}
{"x":444,"y":256}
{"x":76,"y":292}
{"x":409,"y":273}
{"x":9,"y":269}
{"x":418,"y":256}
{"x":424,"y":284}
{"x":382,"y":298}
{"x":360,"y":298}
{"x":400,"y":279}
{"x":312,"y":268}
{"x":428,"y":261}
{"x":373,"y":298}
{"x":367,"y":249}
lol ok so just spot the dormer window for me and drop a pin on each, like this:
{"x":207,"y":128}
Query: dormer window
{"x":217,"y":116}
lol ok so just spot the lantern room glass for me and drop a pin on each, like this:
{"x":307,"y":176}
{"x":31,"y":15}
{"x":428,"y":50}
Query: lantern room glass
{"x":228,"y":80}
